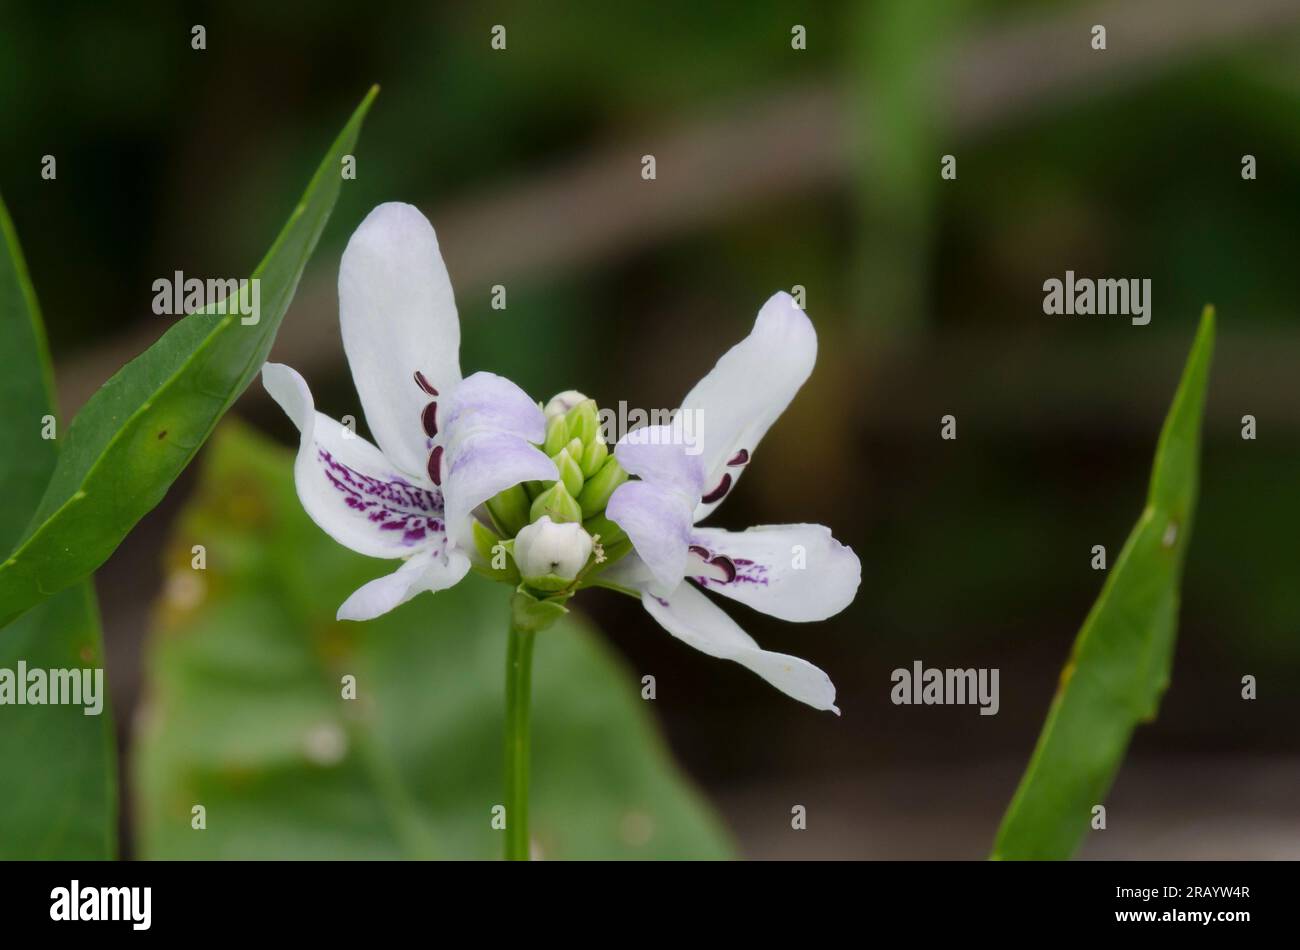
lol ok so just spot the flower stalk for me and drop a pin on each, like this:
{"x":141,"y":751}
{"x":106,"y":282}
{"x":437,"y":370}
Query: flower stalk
{"x":519,"y":674}
{"x":529,"y":616}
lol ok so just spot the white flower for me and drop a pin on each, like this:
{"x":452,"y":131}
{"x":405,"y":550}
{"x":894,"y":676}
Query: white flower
{"x":545,"y":548}
{"x":795,"y":572}
{"x":446,"y":444}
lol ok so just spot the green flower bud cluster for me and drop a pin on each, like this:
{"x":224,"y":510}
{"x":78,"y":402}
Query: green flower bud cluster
{"x":588,"y":474}
{"x":588,"y":471}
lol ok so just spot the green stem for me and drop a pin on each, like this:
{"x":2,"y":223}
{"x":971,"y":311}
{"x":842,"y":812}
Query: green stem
{"x":519,"y":672}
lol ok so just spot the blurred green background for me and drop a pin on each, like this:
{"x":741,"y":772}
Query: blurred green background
{"x":776,"y":167}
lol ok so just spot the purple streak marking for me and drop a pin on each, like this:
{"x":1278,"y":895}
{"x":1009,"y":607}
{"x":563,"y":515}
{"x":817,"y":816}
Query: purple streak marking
{"x":393,"y":504}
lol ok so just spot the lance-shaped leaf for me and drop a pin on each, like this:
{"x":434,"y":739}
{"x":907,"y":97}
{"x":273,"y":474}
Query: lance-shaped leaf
{"x":305,"y":737}
{"x":58,"y":794}
{"x":1121,"y":660}
{"x":139,"y":431}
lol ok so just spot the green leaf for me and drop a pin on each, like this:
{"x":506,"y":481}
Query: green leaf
{"x":140,"y":430}
{"x":245,"y":713}
{"x":1120,"y":665}
{"x":57,"y":781}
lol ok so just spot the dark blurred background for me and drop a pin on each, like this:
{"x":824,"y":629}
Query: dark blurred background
{"x":777,"y":167}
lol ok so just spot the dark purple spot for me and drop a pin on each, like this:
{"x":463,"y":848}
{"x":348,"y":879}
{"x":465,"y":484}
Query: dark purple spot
{"x":424,"y":383}
{"x":430,"y":419}
{"x":413,"y":529}
{"x":700,"y":551}
{"x":394,"y":493}
{"x":392,"y":504}
{"x":740,"y":457}
{"x":720,"y":492}
{"x":736,"y":571}
{"x":750,"y":572}
{"x":435,"y":465}
{"x":728,"y":568}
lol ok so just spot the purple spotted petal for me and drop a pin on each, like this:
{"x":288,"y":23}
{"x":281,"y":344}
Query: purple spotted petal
{"x":348,"y":487}
{"x":795,"y":572}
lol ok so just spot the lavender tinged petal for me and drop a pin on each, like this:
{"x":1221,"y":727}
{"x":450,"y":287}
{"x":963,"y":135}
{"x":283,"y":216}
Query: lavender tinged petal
{"x":658,"y":454}
{"x":487,"y":401}
{"x":796,"y":572}
{"x":658,"y":522}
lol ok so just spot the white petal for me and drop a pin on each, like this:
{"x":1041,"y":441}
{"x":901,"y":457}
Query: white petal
{"x":398,"y":317}
{"x":658,"y":523}
{"x":428,"y":570}
{"x":737,"y":402}
{"x":692,"y":618}
{"x":348,"y":487}
{"x":795,"y":571}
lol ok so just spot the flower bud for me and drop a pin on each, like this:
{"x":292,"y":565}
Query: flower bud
{"x":593,"y":457}
{"x":562,"y":403}
{"x":557,"y":504}
{"x":583,"y":421}
{"x":493,"y":554}
{"x":596,"y":491}
{"x":509,"y":509}
{"x":550,"y":555}
{"x":570,"y":472}
{"x":557,"y":434}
